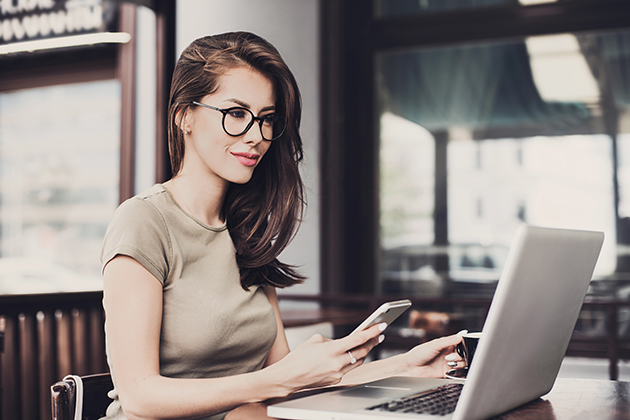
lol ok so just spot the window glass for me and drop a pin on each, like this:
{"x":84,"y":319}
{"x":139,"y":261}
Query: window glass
{"x":560,"y":181}
{"x":407,"y":182}
{"x":59,"y":174}
{"x":536,"y":131}
{"x":624,"y":177}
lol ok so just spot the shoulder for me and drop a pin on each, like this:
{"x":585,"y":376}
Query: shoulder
{"x":145,"y":206}
{"x":139,"y":229}
{"x":156,"y":197}
{"x":142,"y":216}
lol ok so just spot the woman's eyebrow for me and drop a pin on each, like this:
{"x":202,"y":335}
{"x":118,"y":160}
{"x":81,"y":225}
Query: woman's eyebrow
{"x":246,"y":105}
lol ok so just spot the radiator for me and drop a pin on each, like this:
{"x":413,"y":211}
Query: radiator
{"x":45,"y":338}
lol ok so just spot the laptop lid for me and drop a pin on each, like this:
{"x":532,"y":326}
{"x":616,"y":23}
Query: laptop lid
{"x":531,"y":319}
{"x":525,"y":336}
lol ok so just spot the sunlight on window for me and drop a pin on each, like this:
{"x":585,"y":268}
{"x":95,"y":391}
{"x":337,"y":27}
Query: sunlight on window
{"x":560,"y":70}
{"x":563,"y":181}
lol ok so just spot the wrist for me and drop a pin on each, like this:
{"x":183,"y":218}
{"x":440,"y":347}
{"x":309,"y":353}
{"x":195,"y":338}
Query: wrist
{"x":402,"y":365}
{"x":274,"y":383}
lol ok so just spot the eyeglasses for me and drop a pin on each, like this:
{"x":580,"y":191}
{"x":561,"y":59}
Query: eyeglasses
{"x":237,"y":121}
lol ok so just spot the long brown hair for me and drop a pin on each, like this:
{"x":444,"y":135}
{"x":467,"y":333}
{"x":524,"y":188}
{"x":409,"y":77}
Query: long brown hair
{"x":263,"y":214}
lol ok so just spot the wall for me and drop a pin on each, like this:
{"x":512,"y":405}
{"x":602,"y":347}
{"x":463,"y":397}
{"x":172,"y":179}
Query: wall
{"x":292,"y":27}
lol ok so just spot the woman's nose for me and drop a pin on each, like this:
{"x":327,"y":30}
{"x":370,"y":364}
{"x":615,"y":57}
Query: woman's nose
{"x":253,"y":135}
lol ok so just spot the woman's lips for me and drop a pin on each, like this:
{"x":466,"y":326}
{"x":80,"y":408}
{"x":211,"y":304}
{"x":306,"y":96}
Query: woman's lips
{"x":247,"y":159}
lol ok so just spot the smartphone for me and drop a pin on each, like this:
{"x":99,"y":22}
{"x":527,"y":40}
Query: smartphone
{"x":387,"y":312}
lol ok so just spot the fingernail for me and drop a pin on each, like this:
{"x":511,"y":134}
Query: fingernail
{"x":452,"y":364}
{"x":382,"y":326}
{"x":381,"y":338}
{"x":462,"y":332}
{"x":450,"y":357}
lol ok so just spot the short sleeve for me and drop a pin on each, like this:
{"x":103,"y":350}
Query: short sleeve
{"x":138,"y":230}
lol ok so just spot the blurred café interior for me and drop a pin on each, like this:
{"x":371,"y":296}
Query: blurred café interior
{"x":432,"y":129}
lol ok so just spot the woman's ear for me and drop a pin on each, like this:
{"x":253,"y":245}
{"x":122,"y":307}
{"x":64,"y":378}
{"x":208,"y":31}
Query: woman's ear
{"x":184,"y":117}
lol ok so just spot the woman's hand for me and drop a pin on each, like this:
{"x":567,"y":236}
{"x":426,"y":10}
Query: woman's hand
{"x":320,"y":361}
{"x":430,"y":359}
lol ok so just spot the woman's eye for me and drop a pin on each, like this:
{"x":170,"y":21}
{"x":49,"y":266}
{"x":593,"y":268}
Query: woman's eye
{"x":237,"y":113}
{"x":270,"y":119}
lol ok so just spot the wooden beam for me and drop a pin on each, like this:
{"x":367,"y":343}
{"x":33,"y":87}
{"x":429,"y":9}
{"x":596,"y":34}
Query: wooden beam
{"x":165,"y":35}
{"x":126,"y":71}
{"x":498,"y":23}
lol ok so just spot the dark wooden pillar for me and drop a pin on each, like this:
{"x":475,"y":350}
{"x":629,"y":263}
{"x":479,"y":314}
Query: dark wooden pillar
{"x":440,"y":211}
{"x":165,"y":35}
{"x":126,"y":71}
{"x":349,"y":151}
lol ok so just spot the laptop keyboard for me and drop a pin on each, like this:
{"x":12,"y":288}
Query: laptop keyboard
{"x":437,"y":401}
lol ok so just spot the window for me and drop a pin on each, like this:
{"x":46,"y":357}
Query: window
{"x":79,"y":133}
{"x":475,"y":116}
{"x":496,"y":101}
{"x":59,"y":177}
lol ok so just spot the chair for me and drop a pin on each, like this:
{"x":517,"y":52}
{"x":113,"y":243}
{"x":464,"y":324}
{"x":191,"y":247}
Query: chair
{"x":95,"y":400}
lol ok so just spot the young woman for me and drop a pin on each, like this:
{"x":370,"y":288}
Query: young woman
{"x":190,"y":266}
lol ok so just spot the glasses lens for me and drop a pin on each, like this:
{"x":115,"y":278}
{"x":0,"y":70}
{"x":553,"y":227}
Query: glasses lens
{"x":237,"y":121}
{"x":273,"y":126}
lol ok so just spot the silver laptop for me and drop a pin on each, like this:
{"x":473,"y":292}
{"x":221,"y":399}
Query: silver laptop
{"x":525,"y":336}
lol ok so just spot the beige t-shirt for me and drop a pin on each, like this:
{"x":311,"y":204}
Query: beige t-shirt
{"x":211,"y":327}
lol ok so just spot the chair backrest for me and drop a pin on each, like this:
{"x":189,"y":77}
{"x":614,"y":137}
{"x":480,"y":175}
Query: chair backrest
{"x":95,"y":399}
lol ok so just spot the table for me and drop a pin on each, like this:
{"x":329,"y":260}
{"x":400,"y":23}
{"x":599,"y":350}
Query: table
{"x":576,"y":399}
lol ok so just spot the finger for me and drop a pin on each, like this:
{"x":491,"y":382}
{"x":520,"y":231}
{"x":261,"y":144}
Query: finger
{"x":445,"y":343}
{"x":454,"y":360}
{"x":359,"y":353}
{"x":367,"y":347}
{"x":362,"y":351}
{"x":350,"y":365}
{"x":453,"y":357}
{"x":360,"y":338}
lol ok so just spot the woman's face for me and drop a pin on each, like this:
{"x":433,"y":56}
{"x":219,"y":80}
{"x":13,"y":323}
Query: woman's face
{"x":210,"y":151}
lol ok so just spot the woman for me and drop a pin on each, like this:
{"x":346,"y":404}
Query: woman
{"x":190,"y":266}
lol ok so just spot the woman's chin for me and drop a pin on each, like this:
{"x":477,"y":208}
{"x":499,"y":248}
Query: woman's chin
{"x":241,"y":179}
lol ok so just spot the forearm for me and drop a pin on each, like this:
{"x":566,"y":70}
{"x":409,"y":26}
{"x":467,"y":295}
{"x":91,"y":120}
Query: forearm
{"x":378,"y":369}
{"x":158,"y":397}
{"x":424,"y":360}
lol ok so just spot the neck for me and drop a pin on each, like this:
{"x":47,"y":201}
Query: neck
{"x":202,"y":199}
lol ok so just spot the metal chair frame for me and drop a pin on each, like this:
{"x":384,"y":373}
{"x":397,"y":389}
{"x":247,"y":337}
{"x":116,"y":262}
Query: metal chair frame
{"x":95,"y":398}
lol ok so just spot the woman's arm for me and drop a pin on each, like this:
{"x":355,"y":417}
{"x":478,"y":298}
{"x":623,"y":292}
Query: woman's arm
{"x":280,"y":347}
{"x":425,"y":360}
{"x":133,"y":307}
